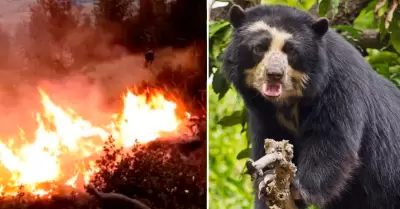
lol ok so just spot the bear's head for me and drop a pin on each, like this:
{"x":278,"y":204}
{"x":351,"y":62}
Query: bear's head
{"x":275,"y":51}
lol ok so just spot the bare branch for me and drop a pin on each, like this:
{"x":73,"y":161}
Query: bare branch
{"x":275,"y":182}
{"x":115,"y":198}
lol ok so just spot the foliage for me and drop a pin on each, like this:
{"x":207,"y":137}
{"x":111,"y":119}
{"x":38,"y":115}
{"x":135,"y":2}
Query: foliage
{"x":73,"y":201}
{"x":63,"y":36}
{"x":225,"y":138}
{"x":49,"y":23}
{"x":60,"y":38}
{"x":154,"y":23}
{"x":159,"y":173}
{"x":228,"y":188}
{"x":302,"y":4}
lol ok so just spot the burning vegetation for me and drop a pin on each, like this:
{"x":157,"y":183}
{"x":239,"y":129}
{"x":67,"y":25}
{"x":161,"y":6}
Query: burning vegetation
{"x":79,"y":106}
{"x":63,"y":140}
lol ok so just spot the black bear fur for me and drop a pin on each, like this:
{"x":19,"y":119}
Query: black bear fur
{"x":347,"y":144}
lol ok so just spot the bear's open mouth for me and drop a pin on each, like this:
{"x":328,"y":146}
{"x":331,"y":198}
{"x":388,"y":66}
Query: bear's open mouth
{"x":272,"y":89}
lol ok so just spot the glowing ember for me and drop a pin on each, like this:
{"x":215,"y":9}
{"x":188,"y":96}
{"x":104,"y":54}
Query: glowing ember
{"x":64,"y":140}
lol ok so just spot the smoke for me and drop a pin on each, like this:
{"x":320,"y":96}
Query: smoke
{"x":83,"y":70}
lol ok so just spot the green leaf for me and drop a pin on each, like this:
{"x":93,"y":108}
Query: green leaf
{"x":335,"y":7}
{"x":394,"y":69}
{"x":285,"y":2}
{"x":383,"y":9}
{"x":394,"y":76}
{"x":353,"y":31}
{"x":244,"y":154}
{"x":324,"y":7}
{"x":307,"y":4}
{"x":218,"y":43}
{"x":231,"y":120}
{"x":395,"y":32}
{"x":382,"y":57}
{"x":210,"y":66}
{"x":366,"y":17}
{"x":383,"y":32}
{"x":248,"y":137}
{"x":244,"y":120}
{"x":244,"y":128}
{"x":217,"y":26}
{"x":292,"y":3}
{"x":220,"y":84}
{"x":312,"y":207}
{"x":396,"y":81}
{"x":383,"y":69}
{"x":218,"y":59}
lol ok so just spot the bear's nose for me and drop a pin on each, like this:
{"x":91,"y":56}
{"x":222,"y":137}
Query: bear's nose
{"x":275,"y":76}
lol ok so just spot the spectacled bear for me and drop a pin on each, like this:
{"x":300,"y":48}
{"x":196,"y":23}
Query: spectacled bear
{"x":301,"y":81}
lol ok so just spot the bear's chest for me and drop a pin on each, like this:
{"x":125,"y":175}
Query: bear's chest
{"x":288,"y":117}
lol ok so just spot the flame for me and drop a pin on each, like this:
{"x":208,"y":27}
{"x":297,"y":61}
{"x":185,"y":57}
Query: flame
{"x":144,"y":122}
{"x":64,"y":140}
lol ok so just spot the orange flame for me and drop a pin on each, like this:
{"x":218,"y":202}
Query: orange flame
{"x":63,"y":138}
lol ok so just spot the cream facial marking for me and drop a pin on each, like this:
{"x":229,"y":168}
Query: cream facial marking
{"x":278,"y":36}
{"x":275,"y":60}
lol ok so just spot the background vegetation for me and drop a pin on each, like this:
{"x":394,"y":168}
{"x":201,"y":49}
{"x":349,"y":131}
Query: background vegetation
{"x":376,"y":34}
{"x":60,"y":38}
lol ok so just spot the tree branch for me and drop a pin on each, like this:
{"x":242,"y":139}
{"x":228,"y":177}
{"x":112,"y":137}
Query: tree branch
{"x":371,"y":39}
{"x":221,"y":13}
{"x":276,"y":181}
{"x":115,"y":199}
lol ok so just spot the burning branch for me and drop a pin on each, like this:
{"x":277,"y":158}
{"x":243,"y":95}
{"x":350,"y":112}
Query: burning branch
{"x":275,"y":182}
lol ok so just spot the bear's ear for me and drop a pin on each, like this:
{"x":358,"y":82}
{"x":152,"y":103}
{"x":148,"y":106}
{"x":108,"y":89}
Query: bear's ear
{"x":236,"y":16}
{"x":320,"y":26}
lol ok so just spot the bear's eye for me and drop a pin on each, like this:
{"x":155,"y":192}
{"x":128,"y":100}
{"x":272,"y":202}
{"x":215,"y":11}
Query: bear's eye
{"x":289,"y":49}
{"x":259,"y":48}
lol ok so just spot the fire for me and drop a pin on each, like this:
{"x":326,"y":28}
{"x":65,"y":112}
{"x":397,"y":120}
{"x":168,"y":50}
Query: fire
{"x":64,"y":141}
{"x":145,"y":122}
